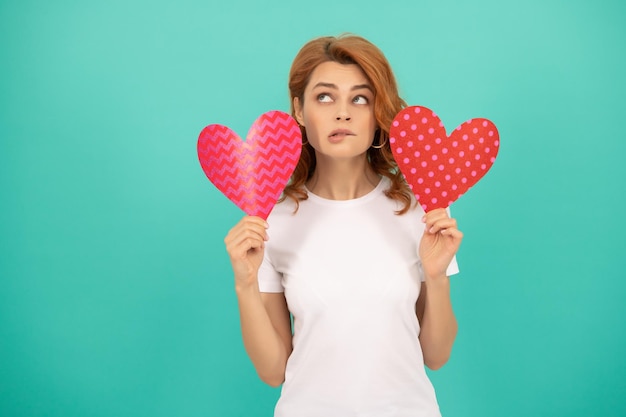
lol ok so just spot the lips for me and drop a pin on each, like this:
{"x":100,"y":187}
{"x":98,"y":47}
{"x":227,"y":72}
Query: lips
{"x":340,"y":133}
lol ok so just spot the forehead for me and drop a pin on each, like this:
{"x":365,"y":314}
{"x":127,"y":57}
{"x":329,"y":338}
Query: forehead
{"x":341,"y":75}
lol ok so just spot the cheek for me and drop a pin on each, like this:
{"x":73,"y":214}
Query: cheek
{"x":311,"y":132}
{"x":372,"y":125}
{"x":311,"y":122}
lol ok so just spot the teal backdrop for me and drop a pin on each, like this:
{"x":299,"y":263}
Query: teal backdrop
{"x":116,"y":295}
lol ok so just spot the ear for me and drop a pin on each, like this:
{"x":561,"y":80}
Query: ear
{"x":297,"y":107}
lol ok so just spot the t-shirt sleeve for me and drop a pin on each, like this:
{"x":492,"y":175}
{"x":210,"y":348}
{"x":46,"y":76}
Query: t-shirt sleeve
{"x":270,"y":280}
{"x":452,"y":269}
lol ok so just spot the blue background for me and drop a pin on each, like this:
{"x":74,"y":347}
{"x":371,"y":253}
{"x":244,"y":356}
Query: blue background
{"x":116,"y":295}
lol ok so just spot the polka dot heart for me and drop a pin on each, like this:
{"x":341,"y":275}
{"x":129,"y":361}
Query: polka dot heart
{"x":441,"y":168}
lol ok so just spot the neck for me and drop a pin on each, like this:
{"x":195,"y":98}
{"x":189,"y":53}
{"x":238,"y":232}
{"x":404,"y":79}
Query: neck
{"x":342,"y":180}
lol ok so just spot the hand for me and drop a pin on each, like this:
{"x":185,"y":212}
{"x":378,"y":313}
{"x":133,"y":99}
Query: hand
{"x":439,"y":244}
{"x":245,"y":244}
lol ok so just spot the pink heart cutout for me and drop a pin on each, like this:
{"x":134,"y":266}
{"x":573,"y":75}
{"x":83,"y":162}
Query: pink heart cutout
{"x":440,"y":168}
{"x":252,"y":174}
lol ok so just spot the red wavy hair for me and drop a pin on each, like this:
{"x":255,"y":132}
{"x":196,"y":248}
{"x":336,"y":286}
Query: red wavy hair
{"x":350,"y":49}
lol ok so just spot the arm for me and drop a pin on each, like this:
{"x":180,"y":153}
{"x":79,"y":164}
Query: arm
{"x":265,"y":322}
{"x":266,"y":332}
{"x":438,"y":326}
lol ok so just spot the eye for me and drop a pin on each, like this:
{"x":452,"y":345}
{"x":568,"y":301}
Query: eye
{"x":360,"y":100}
{"x":324,"y":98}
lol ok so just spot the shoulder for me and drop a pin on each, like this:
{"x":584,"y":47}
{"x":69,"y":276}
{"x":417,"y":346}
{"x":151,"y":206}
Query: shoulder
{"x":415,"y":209}
{"x":285,"y":215}
{"x":282,"y":209}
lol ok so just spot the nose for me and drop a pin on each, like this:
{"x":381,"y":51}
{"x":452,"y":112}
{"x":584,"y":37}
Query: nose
{"x":343,"y":114}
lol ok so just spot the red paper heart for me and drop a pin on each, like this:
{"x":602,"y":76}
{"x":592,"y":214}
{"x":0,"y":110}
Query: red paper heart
{"x":440,"y":168}
{"x":252,"y":174}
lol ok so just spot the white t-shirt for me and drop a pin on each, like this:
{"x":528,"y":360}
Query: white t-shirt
{"x":351,"y":276}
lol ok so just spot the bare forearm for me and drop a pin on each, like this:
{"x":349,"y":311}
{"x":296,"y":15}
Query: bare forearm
{"x":262,"y":342}
{"x":438,"y":326}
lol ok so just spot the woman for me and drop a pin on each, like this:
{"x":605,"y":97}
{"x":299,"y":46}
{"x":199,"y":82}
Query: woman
{"x":363,"y":271}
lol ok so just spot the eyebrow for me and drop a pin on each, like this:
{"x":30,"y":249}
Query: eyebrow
{"x":334,"y":86}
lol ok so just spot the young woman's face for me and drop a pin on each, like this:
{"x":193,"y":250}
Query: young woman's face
{"x":338,"y":111}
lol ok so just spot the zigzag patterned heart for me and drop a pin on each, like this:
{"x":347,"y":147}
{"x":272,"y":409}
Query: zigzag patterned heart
{"x":252,"y":174}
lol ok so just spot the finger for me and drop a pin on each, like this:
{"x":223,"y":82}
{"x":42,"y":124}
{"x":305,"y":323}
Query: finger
{"x":255,"y":220}
{"x":253,"y":223}
{"x":240,"y":249}
{"x":249,"y":233}
{"x":441,"y":224}
{"x":247,"y":230}
{"x":436,"y":213}
{"x":245,"y":239}
{"x":432,"y":216}
{"x":249,"y":223}
{"x":453,"y":233}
